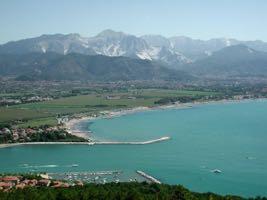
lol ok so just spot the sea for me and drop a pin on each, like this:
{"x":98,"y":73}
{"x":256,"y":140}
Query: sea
{"x":227,"y":138}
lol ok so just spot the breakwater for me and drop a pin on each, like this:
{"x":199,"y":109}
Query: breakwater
{"x":136,"y":143}
{"x":148,"y":177}
{"x":88,"y":143}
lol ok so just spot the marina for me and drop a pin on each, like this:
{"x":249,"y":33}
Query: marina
{"x":100,"y":177}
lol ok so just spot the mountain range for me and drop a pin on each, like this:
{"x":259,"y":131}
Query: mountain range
{"x":233,"y":61}
{"x":173,"y":52}
{"x":53,"y":66}
{"x":111,"y":56}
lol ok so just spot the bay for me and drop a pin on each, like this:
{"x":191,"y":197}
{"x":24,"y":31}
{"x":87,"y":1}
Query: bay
{"x":231,"y":137}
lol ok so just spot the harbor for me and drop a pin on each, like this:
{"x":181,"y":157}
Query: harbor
{"x":99,"y":177}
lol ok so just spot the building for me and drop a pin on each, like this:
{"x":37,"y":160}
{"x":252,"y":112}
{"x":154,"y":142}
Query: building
{"x":10,"y":179}
{"x":44,"y":182}
{"x":5,"y":186}
{"x":20,"y":186}
{"x":113,"y":97}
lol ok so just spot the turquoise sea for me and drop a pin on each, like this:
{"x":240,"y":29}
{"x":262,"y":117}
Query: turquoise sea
{"x":231,"y":137}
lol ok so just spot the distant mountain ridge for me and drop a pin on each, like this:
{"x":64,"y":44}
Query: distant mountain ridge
{"x":174,"y":51}
{"x":53,"y":66}
{"x":233,"y":61}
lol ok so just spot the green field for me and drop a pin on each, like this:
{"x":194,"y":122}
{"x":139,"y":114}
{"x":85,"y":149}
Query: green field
{"x":35,"y":114}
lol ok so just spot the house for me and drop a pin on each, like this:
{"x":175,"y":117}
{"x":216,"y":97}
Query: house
{"x":45,"y":176}
{"x":22,"y":133}
{"x":79,"y":183}
{"x":15,"y":136}
{"x":113,"y":97}
{"x":32,"y":182}
{"x":59,"y":184}
{"x":5,"y":186}
{"x":62,"y":120}
{"x":20,"y":186}
{"x":6,"y":131}
{"x":10,"y":179}
{"x":44,"y":182}
{"x":30,"y":131}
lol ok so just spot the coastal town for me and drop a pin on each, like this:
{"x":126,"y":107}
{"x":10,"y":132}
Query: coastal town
{"x":8,"y":183}
{"x":37,"y":134}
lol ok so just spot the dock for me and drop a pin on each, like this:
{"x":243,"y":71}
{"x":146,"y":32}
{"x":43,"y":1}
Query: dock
{"x":88,"y":173}
{"x":98,"y":177}
{"x":148,"y":177}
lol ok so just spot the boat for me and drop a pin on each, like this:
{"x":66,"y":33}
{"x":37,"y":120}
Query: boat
{"x":216,"y":171}
{"x":74,"y":165}
{"x":117,"y":180}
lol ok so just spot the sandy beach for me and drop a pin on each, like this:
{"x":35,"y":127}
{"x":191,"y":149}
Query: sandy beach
{"x":9,"y":145}
{"x":109,"y":114}
{"x":70,"y":125}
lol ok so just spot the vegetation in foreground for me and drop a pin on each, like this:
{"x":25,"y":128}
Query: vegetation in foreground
{"x":111,"y":191}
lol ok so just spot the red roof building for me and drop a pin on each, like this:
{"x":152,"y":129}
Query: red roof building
{"x":12,"y":179}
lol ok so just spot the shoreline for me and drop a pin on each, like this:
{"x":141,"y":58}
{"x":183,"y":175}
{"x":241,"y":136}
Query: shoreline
{"x":70,"y":125}
{"x":110,"y":114}
{"x":9,"y":145}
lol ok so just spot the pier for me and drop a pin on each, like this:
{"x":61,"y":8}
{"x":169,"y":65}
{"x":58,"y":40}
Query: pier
{"x":136,"y":143}
{"x":148,"y":177}
{"x":88,"y":143}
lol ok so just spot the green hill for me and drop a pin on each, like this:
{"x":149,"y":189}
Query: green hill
{"x":113,"y":191}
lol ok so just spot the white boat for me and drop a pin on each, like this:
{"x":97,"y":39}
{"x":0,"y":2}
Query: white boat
{"x":216,"y":171}
{"x":117,"y":180}
{"x":74,"y":165}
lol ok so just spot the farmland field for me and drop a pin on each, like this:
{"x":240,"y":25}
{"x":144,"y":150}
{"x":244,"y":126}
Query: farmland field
{"x":44,"y":112}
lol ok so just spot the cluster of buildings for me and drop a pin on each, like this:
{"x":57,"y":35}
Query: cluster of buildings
{"x":20,"y":182}
{"x":119,"y":97}
{"x":23,"y":134}
{"x":10,"y":101}
{"x":13,"y":101}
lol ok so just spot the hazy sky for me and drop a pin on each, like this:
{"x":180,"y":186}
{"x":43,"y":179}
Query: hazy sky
{"x":203,"y":19}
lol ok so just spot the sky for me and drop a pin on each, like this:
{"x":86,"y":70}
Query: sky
{"x":199,"y":19}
